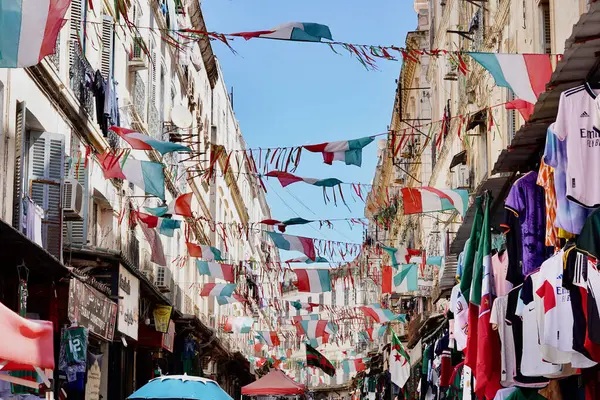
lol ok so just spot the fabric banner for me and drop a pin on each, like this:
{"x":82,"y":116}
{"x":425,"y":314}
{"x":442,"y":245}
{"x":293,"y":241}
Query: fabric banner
{"x":162,"y":315}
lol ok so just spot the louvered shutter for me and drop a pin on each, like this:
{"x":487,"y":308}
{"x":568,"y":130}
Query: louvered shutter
{"x":46,"y":164}
{"x":75,"y":232}
{"x":107,"y":46}
{"x":153,"y":75}
{"x":18,"y":175}
{"x":75,"y":28}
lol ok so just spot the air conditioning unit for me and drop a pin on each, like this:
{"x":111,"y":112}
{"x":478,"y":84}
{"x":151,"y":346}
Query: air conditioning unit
{"x":162,"y":279}
{"x":461,"y":177}
{"x":73,"y":200}
{"x":146,"y":266}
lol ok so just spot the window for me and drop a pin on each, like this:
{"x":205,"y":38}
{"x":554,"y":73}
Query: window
{"x":546,"y":25}
{"x":45,"y":166}
{"x":106,"y":60}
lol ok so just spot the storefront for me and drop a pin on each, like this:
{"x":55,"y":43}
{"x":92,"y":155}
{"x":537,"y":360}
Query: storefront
{"x":84,"y":345}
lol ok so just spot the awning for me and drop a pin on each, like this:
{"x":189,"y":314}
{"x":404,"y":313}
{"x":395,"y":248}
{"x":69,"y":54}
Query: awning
{"x":497,"y":186}
{"x":579,"y":60}
{"x":479,"y":118}
{"x":274,"y":383}
{"x":17,"y":248}
{"x":458,"y":159}
{"x":26,"y":345}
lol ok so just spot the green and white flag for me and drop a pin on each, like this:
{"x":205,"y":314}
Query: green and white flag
{"x":399,"y":363}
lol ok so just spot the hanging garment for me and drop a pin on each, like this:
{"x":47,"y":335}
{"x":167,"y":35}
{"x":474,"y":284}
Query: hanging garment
{"x":507,"y":353}
{"x":500,"y":270}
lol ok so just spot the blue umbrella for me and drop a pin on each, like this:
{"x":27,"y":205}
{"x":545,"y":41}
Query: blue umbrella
{"x":181,"y":387}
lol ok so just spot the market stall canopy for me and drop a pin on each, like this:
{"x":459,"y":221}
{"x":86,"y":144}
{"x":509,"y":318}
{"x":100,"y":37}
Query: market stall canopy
{"x":274,"y":383}
{"x":25,"y":345}
{"x":181,"y":387}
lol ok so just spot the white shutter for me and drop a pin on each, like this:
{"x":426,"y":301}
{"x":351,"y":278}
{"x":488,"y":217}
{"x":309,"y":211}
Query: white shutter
{"x":107,"y":46}
{"x":75,"y":232}
{"x":19,"y":157}
{"x":153,"y":75}
{"x":46,"y":165}
{"x":76,"y":28}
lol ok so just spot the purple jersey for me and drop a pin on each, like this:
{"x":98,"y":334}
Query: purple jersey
{"x":526,"y":201}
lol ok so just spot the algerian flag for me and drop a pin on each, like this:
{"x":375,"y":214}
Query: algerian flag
{"x":399,"y":362}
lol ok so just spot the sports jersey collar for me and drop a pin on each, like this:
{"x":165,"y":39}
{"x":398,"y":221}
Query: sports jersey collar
{"x":590,"y":91}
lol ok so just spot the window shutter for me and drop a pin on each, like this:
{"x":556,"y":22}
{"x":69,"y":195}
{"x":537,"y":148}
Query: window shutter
{"x":153,"y":75}
{"x":76,"y":28}
{"x":75,"y":232}
{"x":18,"y":176}
{"x":107,"y":46}
{"x":46,"y":164}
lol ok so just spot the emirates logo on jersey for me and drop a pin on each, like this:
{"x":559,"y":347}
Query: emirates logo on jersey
{"x":591,"y":136}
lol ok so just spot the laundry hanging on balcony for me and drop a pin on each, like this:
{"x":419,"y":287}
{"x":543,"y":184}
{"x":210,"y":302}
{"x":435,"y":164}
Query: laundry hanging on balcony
{"x":181,"y":205}
{"x":139,"y":141}
{"x":218,"y":289}
{"x":429,"y":199}
{"x":297,"y":243}
{"x":216,"y":270}
{"x":270,"y":338}
{"x":381,"y":315}
{"x":313,"y":280}
{"x":207,"y":253}
{"x":165,"y":226}
{"x":347,"y":151}
{"x":29,"y":30}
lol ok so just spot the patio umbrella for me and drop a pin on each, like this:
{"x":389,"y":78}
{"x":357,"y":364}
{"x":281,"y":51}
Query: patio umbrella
{"x":181,"y":387}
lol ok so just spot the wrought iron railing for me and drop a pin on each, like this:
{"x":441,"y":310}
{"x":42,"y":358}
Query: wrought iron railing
{"x":55,"y":58}
{"x":113,"y":139}
{"x":139,"y":96}
{"x":131,"y":250}
{"x":154,"y":123}
{"x":79,"y":73}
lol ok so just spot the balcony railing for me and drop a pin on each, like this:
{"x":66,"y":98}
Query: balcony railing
{"x":131,"y":250}
{"x":78,"y":75}
{"x":139,"y":97}
{"x":154,"y":123}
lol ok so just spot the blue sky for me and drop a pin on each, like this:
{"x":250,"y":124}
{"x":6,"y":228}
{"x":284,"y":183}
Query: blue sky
{"x":288,"y":93}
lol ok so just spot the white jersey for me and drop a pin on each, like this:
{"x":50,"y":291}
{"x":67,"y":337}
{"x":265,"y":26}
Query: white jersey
{"x":553,"y":311}
{"x":532,"y":362}
{"x":577,"y":112}
{"x":507,"y":355}
{"x":460,"y":309}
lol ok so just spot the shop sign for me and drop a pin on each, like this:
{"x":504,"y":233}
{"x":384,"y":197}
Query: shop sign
{"x":162,"y":315}
{"x":129,"y":303}
{"x":92,"y":387}
{"x":91,"y":309}
{"x":168,"y":339}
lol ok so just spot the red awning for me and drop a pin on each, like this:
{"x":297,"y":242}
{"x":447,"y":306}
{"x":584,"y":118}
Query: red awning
{"x":275,"y":382}
{"x":24,"y":343}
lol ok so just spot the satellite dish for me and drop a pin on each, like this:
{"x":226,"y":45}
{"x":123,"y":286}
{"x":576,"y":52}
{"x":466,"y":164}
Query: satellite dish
{"x":181,"y":117}
{"x":382,"y":144}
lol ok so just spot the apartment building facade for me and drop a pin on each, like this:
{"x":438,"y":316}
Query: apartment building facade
{"x":74,"y":231}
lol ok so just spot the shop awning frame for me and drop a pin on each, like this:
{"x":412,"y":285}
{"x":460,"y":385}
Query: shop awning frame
{"x":579,"y":62}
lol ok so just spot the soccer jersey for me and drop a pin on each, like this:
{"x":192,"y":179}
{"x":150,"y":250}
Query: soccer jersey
{"x":555,"y":316}
{"x":593,"y":285}
{"x":532,"y":363}
{"x":575,"y":124}
{"x":546,"y":180}
{"x":570,"y":216}
{"x":459,"y":308}
{"x":507,"y":355}
{"x":499,"y":270}
{"x":526,"y":201}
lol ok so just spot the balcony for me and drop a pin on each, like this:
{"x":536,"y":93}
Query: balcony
{"x":139,"y":98}
{"x":80,"y":70}
{"x":154,"y":123}
{"x":131,"y":251}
